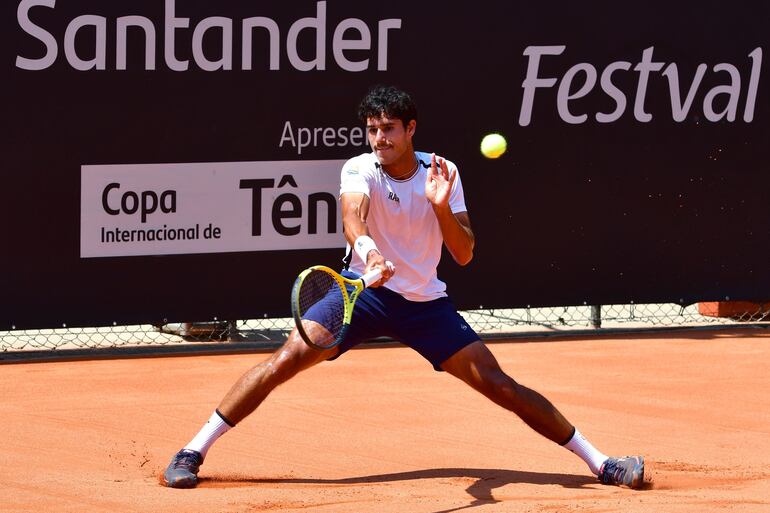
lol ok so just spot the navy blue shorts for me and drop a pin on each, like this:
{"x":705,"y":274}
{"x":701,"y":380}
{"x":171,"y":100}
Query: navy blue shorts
{"x":432,"y":328}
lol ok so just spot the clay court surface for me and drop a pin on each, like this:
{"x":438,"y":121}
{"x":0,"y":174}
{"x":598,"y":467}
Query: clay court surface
{"x":379,"y":431}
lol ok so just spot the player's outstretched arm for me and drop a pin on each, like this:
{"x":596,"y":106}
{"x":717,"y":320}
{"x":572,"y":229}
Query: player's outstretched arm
{"x":455,"y":227}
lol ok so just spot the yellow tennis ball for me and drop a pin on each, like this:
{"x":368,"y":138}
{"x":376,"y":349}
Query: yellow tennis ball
{"x":493,"y":145}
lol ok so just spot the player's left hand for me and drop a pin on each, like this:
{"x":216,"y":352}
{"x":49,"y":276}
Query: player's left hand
{"x":438,"y":183}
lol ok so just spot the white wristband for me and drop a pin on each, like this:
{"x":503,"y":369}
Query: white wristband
{"x":363,"y":245}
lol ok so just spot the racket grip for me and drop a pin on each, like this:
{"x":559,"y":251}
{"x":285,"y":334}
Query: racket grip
{"x":374,"y":275}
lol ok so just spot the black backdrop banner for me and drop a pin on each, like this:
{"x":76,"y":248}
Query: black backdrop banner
{"x":175,"y":159}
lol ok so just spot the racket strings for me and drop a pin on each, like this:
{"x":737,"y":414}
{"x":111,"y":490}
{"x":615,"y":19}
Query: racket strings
{"x":321,"y":301}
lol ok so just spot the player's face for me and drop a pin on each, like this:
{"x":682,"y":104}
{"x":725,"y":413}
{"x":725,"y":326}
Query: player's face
{"x":390,"y":140}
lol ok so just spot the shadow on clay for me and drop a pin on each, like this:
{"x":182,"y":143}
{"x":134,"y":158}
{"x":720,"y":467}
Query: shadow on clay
{"x":486,"y":480}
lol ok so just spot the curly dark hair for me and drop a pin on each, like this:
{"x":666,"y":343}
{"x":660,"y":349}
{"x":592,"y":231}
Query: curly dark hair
{"x":388,"y":100}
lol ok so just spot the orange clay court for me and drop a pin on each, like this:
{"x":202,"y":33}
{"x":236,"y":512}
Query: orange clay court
{"x":379,"y":431}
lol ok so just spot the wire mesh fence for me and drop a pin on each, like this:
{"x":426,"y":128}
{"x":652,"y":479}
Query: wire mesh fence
{"x":489,"y":323}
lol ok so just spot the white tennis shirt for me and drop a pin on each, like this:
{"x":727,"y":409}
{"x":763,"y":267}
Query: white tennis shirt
{"x":402,"y":223}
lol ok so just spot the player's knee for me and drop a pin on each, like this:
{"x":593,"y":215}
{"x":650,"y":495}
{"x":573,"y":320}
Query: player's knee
{"x":499,"y":384}
{"x":295,"y":356}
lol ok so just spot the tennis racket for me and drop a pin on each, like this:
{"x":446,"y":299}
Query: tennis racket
{"x":322,"y":304}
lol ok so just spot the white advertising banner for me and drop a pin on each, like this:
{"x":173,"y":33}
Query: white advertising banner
{"x":163,"y":209}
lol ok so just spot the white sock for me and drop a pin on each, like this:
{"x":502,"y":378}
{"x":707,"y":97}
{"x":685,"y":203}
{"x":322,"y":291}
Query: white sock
{"x":211,"y":430}
{"x":583,"y":448}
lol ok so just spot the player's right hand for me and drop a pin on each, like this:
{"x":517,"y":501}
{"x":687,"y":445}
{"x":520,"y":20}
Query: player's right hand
{"x":374,"y":261}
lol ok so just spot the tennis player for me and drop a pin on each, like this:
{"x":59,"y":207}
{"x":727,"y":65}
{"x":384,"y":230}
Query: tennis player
{"x":402,"y":206}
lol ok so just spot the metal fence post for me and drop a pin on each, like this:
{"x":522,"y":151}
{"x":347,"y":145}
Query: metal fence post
{"x":596,"y":316}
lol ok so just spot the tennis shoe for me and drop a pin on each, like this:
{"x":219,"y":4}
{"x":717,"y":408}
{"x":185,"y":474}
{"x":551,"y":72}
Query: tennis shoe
{"x":182,"y":472}
{"x":627,"y":471}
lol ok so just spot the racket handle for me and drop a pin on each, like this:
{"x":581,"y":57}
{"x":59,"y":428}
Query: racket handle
{"x":374,"y":275}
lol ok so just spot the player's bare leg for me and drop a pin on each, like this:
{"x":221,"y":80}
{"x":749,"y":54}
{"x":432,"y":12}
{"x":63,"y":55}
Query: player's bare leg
{"x":243,"y":398}
{"x":476,"y":365}
{"x":254,"y":386}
